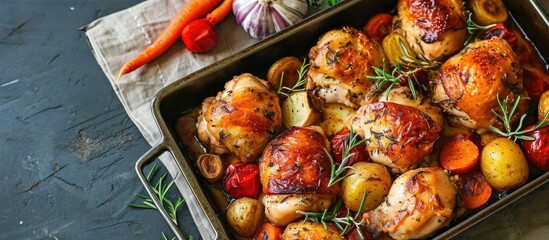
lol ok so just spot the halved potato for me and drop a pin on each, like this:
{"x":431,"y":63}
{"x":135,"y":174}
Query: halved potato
{"x":300,"y":110}
{"x":286,"y":68}
{"x":335,"y":117}
{"x":486,"y":12}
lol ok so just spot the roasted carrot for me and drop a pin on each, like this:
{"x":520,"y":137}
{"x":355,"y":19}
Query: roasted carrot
{"x":459,"y":155}
{"x":475,"y":191}
{"x":191,"y":11}
{"x":268,"y":231}
{"x":199,"y":35}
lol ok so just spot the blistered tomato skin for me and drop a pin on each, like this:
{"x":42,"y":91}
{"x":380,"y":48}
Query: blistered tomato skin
{"x":537,"y":151}
{"x":242,"y":180}
{"x":340,"y":142}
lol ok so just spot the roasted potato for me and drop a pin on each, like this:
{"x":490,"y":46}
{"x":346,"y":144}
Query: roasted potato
{"x":335,"y":117}
{"x":245,"y":215}
{"x":543,"y":106}
{"x":287,"y":69}
{"x":299,"y":110}
{"x":486,"y":12}
{"x":503,"y":164}
{"x":211,"y":167}
{"x":393,"y":49}
{"x":372,"y":178}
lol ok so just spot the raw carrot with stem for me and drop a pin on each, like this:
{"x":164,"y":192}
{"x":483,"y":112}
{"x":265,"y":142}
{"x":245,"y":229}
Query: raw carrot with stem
{"x":475,"y":191}
{"x":199,"y":35}
{"x":192,"y":10}
{"x":459,"y":155}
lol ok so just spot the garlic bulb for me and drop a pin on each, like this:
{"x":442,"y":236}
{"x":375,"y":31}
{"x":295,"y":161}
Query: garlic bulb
{"x":261,"y":18}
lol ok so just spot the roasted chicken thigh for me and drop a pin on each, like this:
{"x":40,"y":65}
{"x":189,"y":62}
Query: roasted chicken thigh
{"x":243,"y":118}
{"x":470,"y":82}
{"x":294,"y":173}
{"x":340,"y":64}
{"x":434,"y":29}
{"x":419,"y":202}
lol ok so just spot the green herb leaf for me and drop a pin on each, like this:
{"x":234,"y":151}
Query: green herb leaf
{"x":507,"y":116}
{"x":337,"y":170}
{"x":298,"y":86}
{"x":474,"y":29}
{"x":383,"y":78}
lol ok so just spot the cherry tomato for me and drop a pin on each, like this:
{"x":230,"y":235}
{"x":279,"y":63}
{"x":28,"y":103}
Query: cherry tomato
{"x":379,"y":26}
{"x":534,"y":83}
{"x":502,"y":32}
{"x":537,"y":151}
{"x":268,"y":231}
{"x":419,"y":78}
{"x":199,"y":36}
{"x":339,"y":144}
{"x":242,"y":180}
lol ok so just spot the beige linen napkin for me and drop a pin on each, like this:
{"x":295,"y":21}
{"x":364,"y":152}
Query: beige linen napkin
{"x":116,"y":38}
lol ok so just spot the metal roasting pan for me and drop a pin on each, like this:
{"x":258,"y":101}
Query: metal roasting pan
{"x":188,"y":93}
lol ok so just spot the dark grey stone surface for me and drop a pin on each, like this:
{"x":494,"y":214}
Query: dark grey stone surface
{"x":67,"y":147}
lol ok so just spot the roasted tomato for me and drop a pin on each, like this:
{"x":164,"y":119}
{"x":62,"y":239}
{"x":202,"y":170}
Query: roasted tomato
{"x":501,"y":31}
{"x":242,"y":180}
{"x":268,"y":231}
{"x":379,"y":26}
{"x":537,"y":151}
{"x":339,"y":144}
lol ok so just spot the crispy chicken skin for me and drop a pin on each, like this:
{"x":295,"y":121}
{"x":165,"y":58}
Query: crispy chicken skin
{"x":243,"y":118}
{"x":311,"y":231}
{"x":469,"y":82}
{"x":294,"y":172}
{"x":397,"y":136}
{"x":435,"y":29}
{"x":419,"y":202}
{"x":340,"y":62}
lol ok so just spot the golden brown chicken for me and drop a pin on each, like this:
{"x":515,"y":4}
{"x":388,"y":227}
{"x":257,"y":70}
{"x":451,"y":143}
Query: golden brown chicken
{"x":469,"y":83}
{"x":397,"y":136}
{"x":294,"y":172}
{"x":340,"y":64}
{"x":435,"y":29}
{"x":242,"y":119}
{"x":419,"y":202}
{"x":311,"y":231}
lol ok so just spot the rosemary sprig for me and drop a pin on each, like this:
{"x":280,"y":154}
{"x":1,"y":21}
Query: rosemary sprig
{"x":337,"y":170}
{"x":298,"y":86}
{"x":507,"y":115}
{"x":344,"y":224}
{"x":415,"y":62}
{"x":164,"y":237}
{"x":383,"y":77}
{"x":160,"y":189}
{"x":474,"y":29}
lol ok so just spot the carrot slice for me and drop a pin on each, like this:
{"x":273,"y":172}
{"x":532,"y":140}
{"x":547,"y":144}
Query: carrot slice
{"x":459,"y":156}
{"x":474,"y":189}
{"x":268,"y":231}
{"x":191,"y":11}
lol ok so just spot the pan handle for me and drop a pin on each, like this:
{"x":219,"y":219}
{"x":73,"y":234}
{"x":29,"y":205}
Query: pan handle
{"x":145,"y":160}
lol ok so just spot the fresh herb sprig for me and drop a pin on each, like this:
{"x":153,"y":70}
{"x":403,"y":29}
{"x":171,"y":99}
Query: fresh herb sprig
{"x":344,"y":224}
{"x":474,"y":29}
{"x":160,"y":189}
{"x":507,"y":116}
{"x":298,"y":86}
{"x":338,"y":170}
{"x":415,"y":62}
{"x":383,"y":77}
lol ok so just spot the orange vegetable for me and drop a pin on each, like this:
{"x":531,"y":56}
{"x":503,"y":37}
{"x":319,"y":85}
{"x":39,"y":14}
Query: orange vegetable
{"x":199,"y":35}
{"x":474,"y":189}
{"x":379,"y":26}
{"x":268,"y":231}
{"x":191,"y":11}
{"x":459,"y":156}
